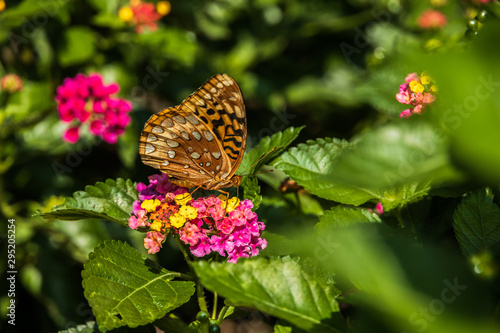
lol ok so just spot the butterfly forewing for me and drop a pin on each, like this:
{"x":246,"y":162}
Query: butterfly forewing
{"x":200,"y":142}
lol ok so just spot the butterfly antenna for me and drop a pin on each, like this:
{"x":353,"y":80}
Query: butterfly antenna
{"x":260,"y":159}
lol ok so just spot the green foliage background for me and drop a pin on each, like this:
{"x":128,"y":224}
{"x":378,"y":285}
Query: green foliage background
{"x":333,"y":67}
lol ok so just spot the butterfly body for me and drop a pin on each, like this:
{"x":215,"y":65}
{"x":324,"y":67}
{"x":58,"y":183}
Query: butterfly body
{"x":201,"y":141}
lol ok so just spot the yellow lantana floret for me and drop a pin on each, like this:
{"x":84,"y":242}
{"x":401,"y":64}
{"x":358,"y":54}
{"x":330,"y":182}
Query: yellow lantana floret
{"x":416,"y":87}
{"x":231,"y":204}
{"x":156,"y":226}
{"x":188,"y":212}
{"x":177,"y":220}
{"x":183,"y":198}
{"x":150,"y":205}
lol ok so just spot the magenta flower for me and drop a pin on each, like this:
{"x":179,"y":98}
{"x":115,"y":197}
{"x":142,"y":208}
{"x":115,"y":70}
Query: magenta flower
{"x":86,"y":100}
{"x":205,"y":224}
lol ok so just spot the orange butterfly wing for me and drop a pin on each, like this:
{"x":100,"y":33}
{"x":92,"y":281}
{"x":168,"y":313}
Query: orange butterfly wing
{"x":201,"y":141}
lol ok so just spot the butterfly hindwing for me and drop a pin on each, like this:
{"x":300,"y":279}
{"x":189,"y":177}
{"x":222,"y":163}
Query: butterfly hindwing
{"x":219,"y":104}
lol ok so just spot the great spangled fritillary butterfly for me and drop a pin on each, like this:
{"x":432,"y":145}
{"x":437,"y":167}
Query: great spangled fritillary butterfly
{"x":201,"y":141}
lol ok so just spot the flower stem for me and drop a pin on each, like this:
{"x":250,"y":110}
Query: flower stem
{"x":214,"y":311}
{"x":201,"y":297}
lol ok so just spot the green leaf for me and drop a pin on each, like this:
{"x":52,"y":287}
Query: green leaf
{"x":278,"y":245}
{"x":468,"y":104}
{"x":394,"y":154}
{"x":404,"y":194}
{"x":309,"y":164}
{"x":341,"y":216}
{"x":282,"y":327}
{"x":477,"y":223}
{"x":29,"y":103}
{"x":251,"y":190}
{"x":305,"y":300}
{"x":125,"y":288}
{"x":78,"y":46}
{"x":384,"y":270}
{"x":111,"y":200}
{"x":280,"y":140}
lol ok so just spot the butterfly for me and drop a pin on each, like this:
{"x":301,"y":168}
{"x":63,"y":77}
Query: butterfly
{"x":201,"y":141}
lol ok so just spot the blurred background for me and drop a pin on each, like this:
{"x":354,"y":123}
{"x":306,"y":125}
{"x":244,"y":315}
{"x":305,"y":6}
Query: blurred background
{"x":331,"y":66}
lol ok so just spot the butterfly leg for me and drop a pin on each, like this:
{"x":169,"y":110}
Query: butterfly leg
{"x":191,"y":194}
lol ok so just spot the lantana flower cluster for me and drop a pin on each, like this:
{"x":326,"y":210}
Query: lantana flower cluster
{"x":206,"y":224}
{"x":418,"y":91}
{"x":144,"y":14}
{"x":432,"y":19}
{"x":86,"y":100}
{"x":11,"y":83}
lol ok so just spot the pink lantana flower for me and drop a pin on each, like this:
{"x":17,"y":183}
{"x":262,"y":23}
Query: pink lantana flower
{"x":86,"y":100}
{"x":418,"y":92}
{"x":205,"y":225}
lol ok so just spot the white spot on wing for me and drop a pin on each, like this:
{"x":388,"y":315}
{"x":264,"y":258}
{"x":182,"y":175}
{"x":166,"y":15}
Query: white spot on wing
{"x":172,"y":143}
{"x":208,"y":135}
{"x":238,"y":111}
{"x":208,"y":96}
{"x":192,"y":119}
{"x":171,"y":153}
{"x":196,"y":135}
{"x":151,"y":137}
{"x":167,"y":122}
{"x":179,"y":119}
{"x":219,"y":85}
{"x":195,"y":155}
{"x":157,"y":129}
{"x":216,"y":155}
{"x":213,"y":90}
{"x":149,"y":148}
